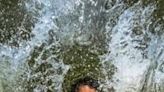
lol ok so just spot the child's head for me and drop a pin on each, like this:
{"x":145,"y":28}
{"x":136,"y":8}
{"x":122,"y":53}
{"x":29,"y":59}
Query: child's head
{"x":86,"y":84}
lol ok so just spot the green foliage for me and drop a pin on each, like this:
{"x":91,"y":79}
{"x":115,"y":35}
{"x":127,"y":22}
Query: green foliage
{"x":15,"y":22}
{"x":83,"y":63}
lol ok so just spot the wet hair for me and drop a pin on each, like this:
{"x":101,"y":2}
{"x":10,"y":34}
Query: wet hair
{"x":92,"y":83}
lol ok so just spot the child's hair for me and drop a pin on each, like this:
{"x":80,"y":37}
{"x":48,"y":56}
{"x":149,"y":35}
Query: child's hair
{"x":84,"y":81}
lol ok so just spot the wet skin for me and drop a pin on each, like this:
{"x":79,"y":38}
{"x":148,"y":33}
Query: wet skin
{"x":86,"y":88}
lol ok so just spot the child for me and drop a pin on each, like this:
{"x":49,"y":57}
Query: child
{"x":86,"y":84}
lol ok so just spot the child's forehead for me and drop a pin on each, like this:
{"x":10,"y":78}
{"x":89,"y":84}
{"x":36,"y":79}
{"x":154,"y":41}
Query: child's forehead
{"x":86,"y":88}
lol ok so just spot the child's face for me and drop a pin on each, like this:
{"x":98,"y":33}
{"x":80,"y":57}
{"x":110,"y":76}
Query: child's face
{"x":86,"y":88}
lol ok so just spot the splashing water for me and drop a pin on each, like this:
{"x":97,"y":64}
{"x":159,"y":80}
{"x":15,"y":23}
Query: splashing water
{"x":133,"y":54}
{"x":127,"y":49}
{"x":126,"y":31}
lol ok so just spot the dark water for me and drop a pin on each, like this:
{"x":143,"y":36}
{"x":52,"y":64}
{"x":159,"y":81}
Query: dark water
{"x":47,"y":44}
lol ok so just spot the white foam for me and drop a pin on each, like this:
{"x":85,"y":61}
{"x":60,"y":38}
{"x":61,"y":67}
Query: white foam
{"x":17,"y":56}
{"x":131,"y":66}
